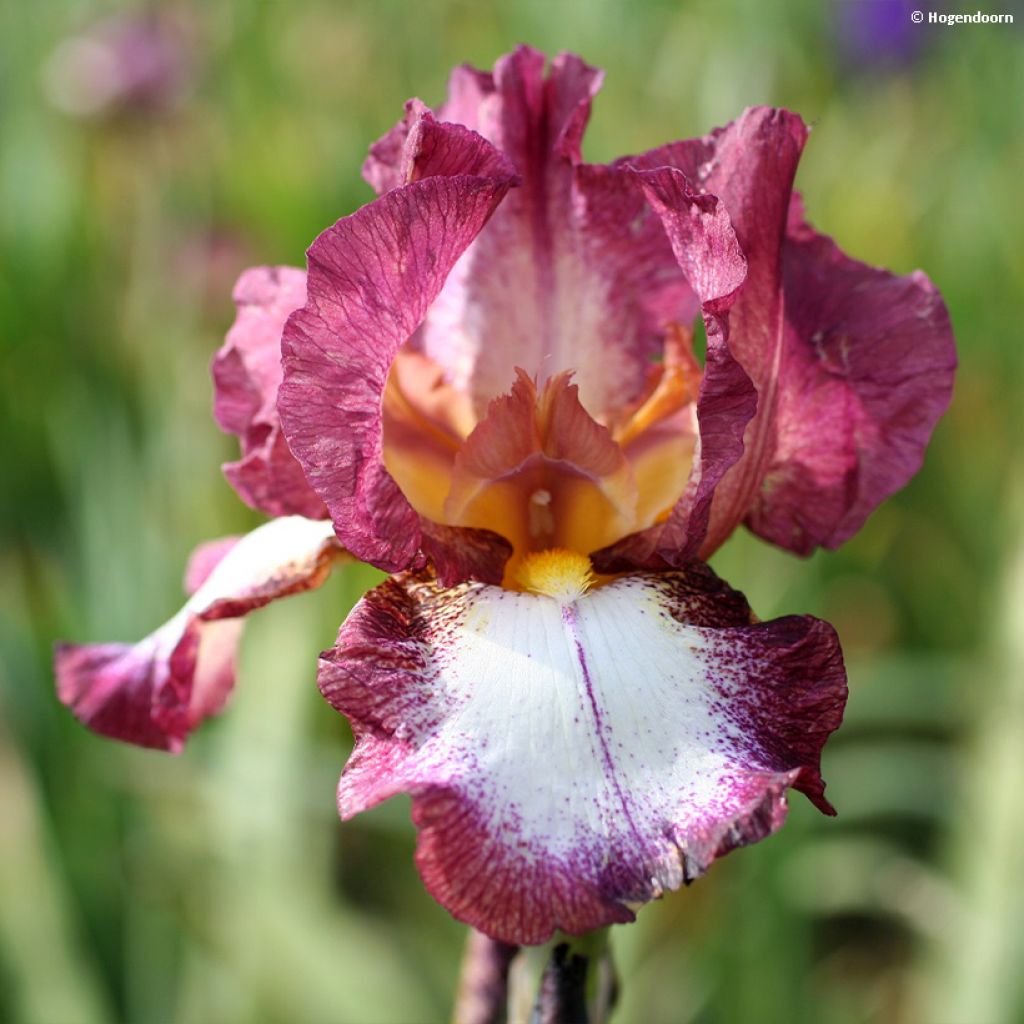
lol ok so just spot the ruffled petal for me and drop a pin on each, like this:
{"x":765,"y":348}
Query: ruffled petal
{"x":868,"y":372}
{"x":247,"y":375}
{"x":708,"y":252}
{"x":155,"y":692}
{"x":372,"y":277}
{"x":749,"y":165}
{"x":852,"y":365}
{"x":385,"y":164}
{"x":570,"y":759}
{"x":573,"y":272}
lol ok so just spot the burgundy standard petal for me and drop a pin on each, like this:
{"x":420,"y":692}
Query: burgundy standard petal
{"x":385,"y":166}
{"x":247,"y":374}
{"x":852,"y":365}
{"x":749,"y":165}
{"x":573,"y":272}
{"x":570,"y":758}
{"x":372,"y":277}
{"x":155,"y":692}
{"x":710,"y":257}
{"x":868,"y":372}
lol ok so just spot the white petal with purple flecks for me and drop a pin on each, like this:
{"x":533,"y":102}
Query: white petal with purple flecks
{"x":568,"y":760}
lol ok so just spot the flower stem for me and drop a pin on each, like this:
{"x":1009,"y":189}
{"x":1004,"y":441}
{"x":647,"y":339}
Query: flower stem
{"x":482,"y":997}
{"x":571,"y":980}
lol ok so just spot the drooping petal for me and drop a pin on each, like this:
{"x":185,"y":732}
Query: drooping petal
{"x":371,"y":279}
{"x":814,"y":331}
{"x":247,"y":375}
{"x":570,"y":759}
{"x":868,"y":372}
{"x":204,"y":559}
{"x":155,"y":692}
{"x":573,"y":272}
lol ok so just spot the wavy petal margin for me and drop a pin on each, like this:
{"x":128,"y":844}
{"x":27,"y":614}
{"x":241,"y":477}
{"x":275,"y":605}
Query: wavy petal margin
{"x":573,"y":271}
{"x":155,"y":692}
{"x":534,"y":290}
{"x":568,"y":761}
{"x":247,"y":374}
{"x":709,"y":255}
{"x":749,"y":165}
{"x":372,"y":277}
{"x":852,"y":365}
{"x":868,"y":373}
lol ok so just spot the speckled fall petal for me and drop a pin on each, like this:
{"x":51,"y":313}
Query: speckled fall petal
{"x":156,"y":691}
{"x":569,"y":760}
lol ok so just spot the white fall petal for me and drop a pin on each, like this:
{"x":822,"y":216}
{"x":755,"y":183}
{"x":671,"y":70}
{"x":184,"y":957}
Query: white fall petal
{"x":570,"y":758}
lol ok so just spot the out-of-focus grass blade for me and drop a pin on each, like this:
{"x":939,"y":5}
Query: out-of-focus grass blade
{"x":297,"y":952}
{"x":39,"y":939}
{"x":974,"y":972}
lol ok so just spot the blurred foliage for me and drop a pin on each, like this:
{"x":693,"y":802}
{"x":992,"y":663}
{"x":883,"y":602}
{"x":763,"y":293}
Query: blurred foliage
{"x":218,"y":886}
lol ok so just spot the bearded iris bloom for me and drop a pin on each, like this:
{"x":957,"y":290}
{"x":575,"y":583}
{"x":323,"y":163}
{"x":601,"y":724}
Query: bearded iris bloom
{"x":485,"y":385}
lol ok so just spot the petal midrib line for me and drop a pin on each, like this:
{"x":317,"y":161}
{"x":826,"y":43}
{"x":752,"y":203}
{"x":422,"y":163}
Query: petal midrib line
{"x":570,"y":622}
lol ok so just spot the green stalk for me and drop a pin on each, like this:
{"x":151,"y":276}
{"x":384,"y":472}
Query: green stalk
{"x":570,"y":980}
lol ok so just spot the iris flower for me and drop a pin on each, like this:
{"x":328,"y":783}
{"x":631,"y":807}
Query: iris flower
{"x":485,"y":384}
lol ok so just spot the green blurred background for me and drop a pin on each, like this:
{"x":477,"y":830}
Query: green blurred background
{"x":218,"y":886}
